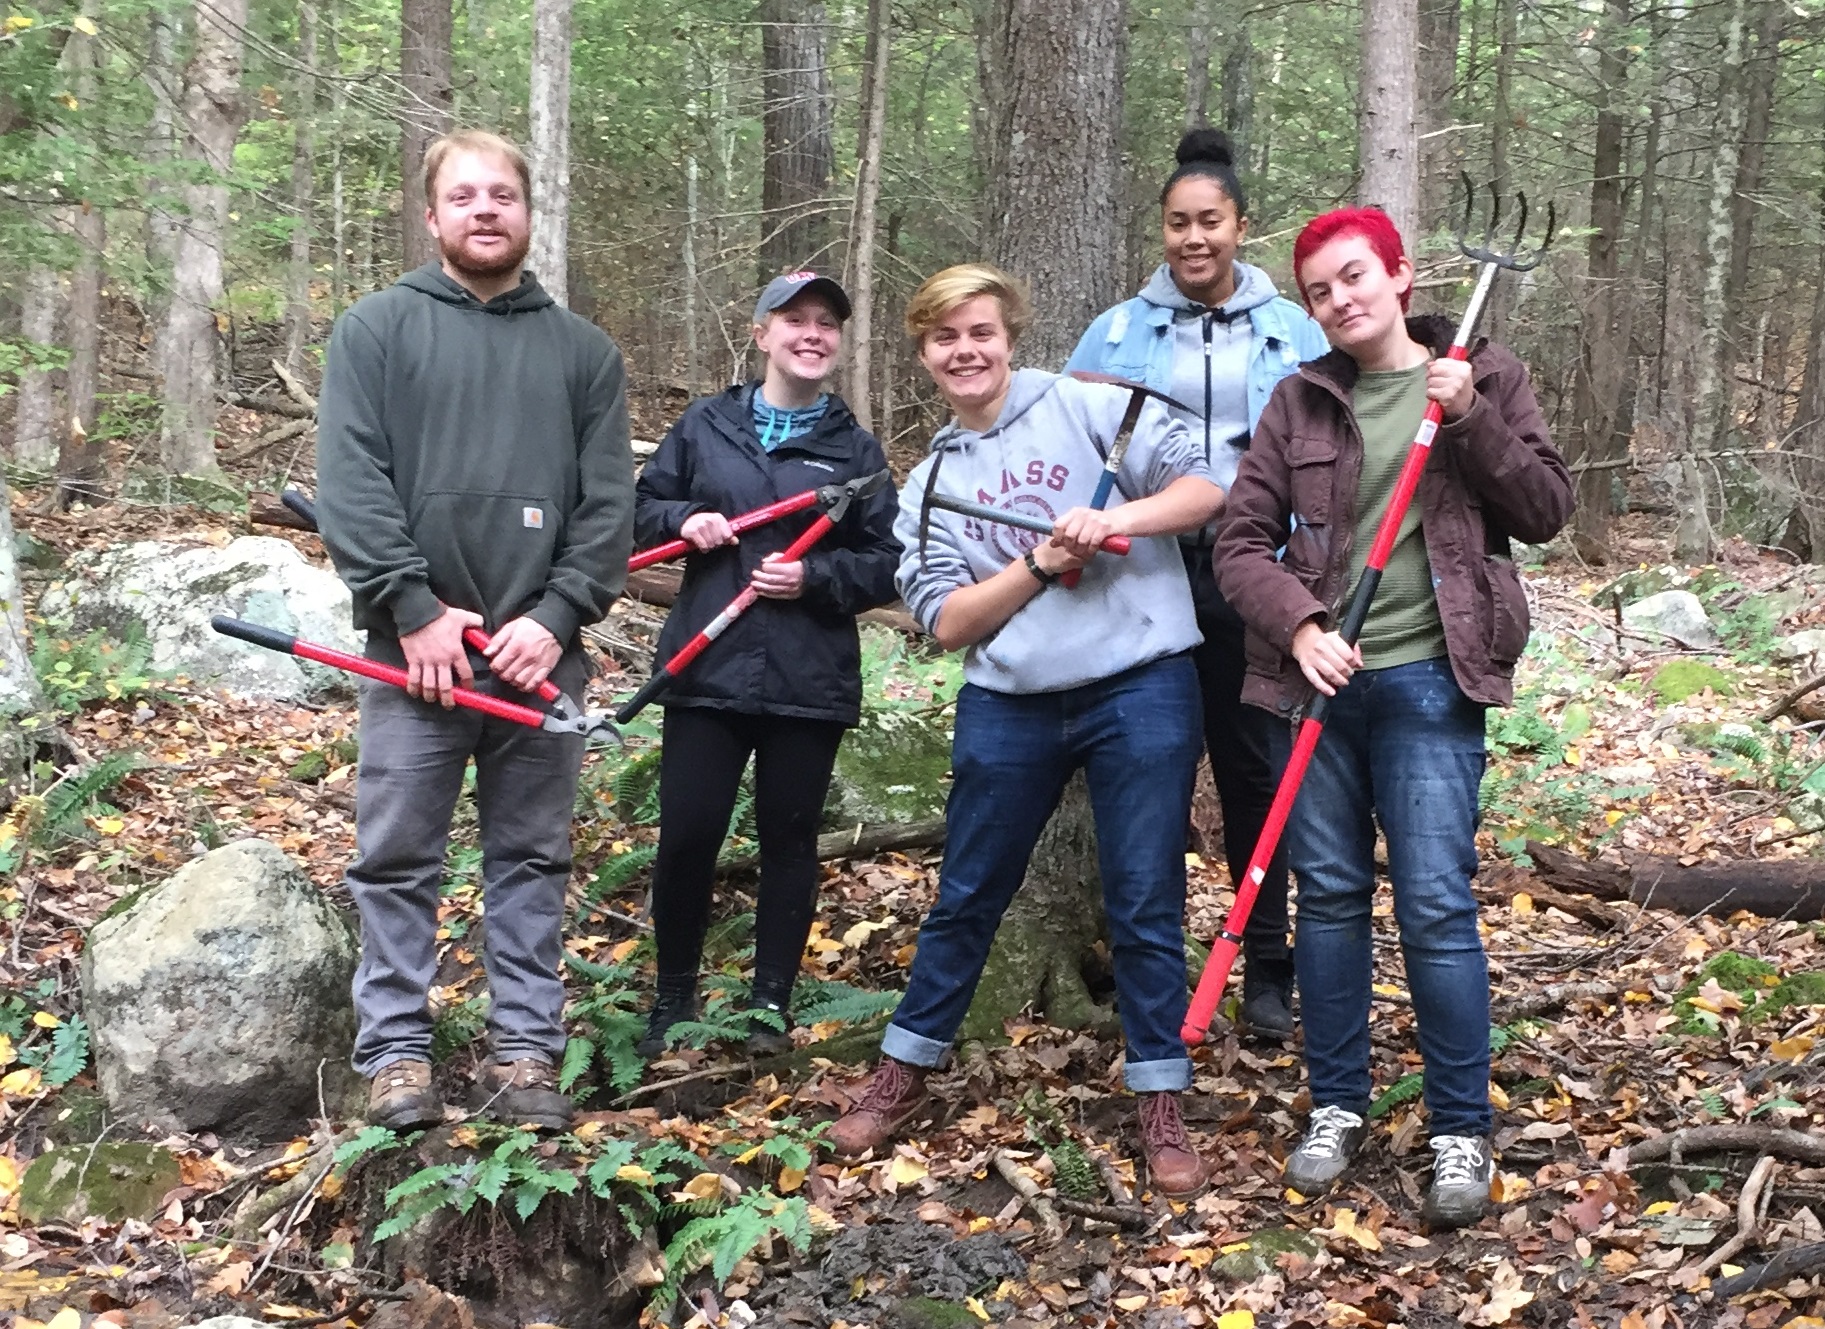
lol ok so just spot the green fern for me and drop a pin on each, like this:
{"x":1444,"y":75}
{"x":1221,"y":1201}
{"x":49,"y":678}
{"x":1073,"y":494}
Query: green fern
{"x":1072,"y":1171}
{"x":618,"y":871}
{"x":723,"y":1240}
{"x":635,"y":788}
{"x":1403,"y":1090}
{"x":69,"y":803}
{"x":852,"y":1006}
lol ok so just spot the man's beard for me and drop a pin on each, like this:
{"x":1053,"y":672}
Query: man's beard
{"x":510,"y":258}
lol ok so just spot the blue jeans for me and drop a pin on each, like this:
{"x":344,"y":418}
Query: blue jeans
{"x":1136,"y":736}
{"x":1404,"y":747}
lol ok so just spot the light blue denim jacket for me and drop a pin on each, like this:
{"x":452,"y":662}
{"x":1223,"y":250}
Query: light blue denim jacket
{"x":1134,"y":340}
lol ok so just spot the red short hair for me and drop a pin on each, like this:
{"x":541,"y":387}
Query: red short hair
{"x":1372,"y":224}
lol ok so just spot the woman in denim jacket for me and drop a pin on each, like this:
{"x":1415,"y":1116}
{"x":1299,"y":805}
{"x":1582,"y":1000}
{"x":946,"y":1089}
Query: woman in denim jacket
{"x":1214,"y":333}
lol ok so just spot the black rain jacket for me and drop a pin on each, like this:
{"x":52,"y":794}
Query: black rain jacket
{"x":800,"y":657}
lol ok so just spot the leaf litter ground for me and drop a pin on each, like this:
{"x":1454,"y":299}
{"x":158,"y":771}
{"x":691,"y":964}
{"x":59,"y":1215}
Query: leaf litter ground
{"x":1608,"y":1037}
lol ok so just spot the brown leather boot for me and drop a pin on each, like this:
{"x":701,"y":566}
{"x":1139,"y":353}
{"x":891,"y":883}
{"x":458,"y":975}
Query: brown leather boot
{"x":524,"y":1091}
{"x":1177,"y":1172}
{"x":400,"y":1095}
{"x":891,"y":1097}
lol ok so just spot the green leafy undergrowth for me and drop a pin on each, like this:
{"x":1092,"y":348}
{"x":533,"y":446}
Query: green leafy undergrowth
{"x":654,"y":1185}
{"x":57,"y":1048}
{"x":607,"y":1016}
{"x":1409,"y":1087}
{"x":1764,"y":993}
{"x":74,"y":671}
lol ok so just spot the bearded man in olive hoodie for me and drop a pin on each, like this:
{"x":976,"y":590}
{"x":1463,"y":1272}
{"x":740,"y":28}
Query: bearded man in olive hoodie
{"x":473,"y":471}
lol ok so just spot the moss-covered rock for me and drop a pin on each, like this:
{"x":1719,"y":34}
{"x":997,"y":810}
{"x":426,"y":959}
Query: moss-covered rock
{"x":1260,"y":1254}
{"x":892,"y":769}
{"x":930,"y":1313}
{"x":1678,"y":679}
{"x":78,"y":1116}
{"x":115,"y":1180}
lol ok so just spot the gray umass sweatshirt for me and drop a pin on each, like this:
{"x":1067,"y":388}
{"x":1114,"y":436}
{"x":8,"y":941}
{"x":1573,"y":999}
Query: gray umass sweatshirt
{"x":475,"y":454}
{"x":1042,"y":458}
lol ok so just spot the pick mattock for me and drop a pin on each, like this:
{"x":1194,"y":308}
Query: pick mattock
{"x":1228,"y":942}
{"x":1112,"y":465}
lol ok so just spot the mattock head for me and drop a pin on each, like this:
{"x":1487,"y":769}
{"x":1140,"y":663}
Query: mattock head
{"x":1517,"y":257}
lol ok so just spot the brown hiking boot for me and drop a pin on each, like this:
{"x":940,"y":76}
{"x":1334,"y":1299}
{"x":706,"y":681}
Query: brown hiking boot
{"x":1176,"y":1171}
{"x":892,"y":1095}
{"x":400,"y":1095}
{"x":524,"y":1092}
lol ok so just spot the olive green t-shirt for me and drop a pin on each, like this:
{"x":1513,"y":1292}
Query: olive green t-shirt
{"x":1403,"y":623}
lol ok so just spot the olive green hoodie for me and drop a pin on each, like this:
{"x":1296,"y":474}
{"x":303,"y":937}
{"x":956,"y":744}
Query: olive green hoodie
{"x":474,"y":454}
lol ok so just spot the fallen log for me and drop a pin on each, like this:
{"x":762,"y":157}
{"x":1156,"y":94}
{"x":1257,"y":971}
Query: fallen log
{"x":1800,"y":1262}
{"x":272,"y":406}
{"x":659,"y":586}
{"x":1508,"y":881}
{"x":1800,"y":1146}
{"x":1791,"y":888}
{"x":263,"y":512}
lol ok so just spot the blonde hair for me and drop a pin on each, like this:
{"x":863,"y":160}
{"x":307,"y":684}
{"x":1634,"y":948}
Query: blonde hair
{"x":943,"y":291}
{"x":478,"y":141}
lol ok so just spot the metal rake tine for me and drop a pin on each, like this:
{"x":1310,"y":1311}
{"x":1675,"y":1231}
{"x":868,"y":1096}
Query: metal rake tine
{"x":1520,"y":230}
{"x":1525,"y":260}
{"x":1495,"y":218}
{"x":1463,"y":230}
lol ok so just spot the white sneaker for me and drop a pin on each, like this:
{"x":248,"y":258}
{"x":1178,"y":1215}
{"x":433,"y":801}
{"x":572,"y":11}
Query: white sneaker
{"x":1332,"y":1138}
{"x":1462,"y":1169}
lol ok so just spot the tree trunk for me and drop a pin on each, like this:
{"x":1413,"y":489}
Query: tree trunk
{"x":164,"y":79}
{"x":796,"y":121}
{"x":1694,"y":541}
{"x":549,"y":116}
{"x":1760,"y":74}
{"x":1603,"y":341}
{"x":1440,"y":27}
{"x":1197,"y":64}
{"x":21,"y":700}
{"x":213,"y":112}
{"x":1809,"y":420}
{"x":1052,"y":95}
{"x":303,"y":176}
{"x":872,"y":135}
{"x":79,"y":460}
{"x":1049,"y":933}
{"x":34,"y":442}
{"x":425,"y":32}
{"x":1239,"y":102}
{"x":1501,"y":176}
{"x":1390,"y":113}
{"x":1054,"y":109}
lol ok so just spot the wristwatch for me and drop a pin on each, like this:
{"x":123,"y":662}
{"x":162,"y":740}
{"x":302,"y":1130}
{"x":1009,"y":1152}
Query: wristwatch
{"x":1045,"y":578}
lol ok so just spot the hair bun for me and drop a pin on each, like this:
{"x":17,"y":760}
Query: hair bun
{"x":1205,"y":144}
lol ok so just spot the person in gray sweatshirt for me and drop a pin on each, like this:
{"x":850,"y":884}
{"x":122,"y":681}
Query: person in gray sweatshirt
{"x":474,"y":471}
{"x":1096,"y":676}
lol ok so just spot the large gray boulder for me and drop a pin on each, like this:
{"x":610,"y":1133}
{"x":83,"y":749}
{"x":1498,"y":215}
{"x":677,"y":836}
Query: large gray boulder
{"x":170,"y":591}
{"x":1679,"y":615}
{"x":213,"y":998}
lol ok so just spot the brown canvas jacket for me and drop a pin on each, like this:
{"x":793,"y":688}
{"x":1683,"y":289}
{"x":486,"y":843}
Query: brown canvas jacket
{"x":1493,"y":475}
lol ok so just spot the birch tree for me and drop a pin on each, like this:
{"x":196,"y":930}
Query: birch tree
{"x":213,"y":113}
{"x":549,"y":118}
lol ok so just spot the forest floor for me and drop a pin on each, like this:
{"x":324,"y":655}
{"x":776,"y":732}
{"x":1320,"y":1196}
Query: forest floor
{"x":1607,"y":1036}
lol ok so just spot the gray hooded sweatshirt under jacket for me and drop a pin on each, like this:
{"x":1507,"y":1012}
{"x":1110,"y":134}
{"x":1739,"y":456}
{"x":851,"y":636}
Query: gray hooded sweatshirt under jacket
{"x":1041,"y":458}
{"x":475,"y":454}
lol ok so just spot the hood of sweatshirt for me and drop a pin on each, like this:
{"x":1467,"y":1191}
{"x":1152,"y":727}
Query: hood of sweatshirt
{"x":433,"y":281}
{"x":1026,"y":389}
{"x":1253,"y":288}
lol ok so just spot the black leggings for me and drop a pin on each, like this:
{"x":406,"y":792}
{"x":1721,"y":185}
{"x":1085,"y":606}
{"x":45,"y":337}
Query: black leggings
{"x":700,"y":768}
{"x":1239,"y":739}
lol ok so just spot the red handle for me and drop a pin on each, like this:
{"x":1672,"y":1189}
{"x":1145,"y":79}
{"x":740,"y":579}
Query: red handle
{"x":385,"y":673}
{"x":747,"y":521}
{"x":479,"y":640}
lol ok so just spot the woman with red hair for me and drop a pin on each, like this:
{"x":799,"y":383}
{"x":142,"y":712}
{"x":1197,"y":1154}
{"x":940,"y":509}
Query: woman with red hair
{"x":1403,"y":747}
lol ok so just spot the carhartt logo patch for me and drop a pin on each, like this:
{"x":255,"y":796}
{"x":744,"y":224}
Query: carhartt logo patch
{"x":533,"y":519}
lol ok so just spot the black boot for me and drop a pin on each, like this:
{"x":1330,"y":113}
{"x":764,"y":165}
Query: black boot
{"x":674,"y":1003}
{"x":1267,"y":999}
{"x":769,"y":1021}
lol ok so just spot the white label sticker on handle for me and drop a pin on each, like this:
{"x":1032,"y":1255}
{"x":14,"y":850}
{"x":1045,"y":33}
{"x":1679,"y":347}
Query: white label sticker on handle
{"x":1428,"y":430}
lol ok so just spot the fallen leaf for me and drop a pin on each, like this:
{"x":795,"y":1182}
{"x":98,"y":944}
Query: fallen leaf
{"x":231,"y":1279}
{"x":1133,"y":1303}
{"x":1236,"y":1320}
{"x":790,"y":1179}
{"x":904,"y":1171}
{"x":703,"y":1186}
{"x":45,"y":1020}
{"x":1790,"y":1049}
{"x":66,"y":1318}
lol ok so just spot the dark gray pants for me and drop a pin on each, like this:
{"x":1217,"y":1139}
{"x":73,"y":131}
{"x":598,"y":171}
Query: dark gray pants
{"x":413,"y":755}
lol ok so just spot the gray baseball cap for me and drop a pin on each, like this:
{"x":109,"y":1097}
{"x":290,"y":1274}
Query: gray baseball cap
{"x":782,"y":291}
